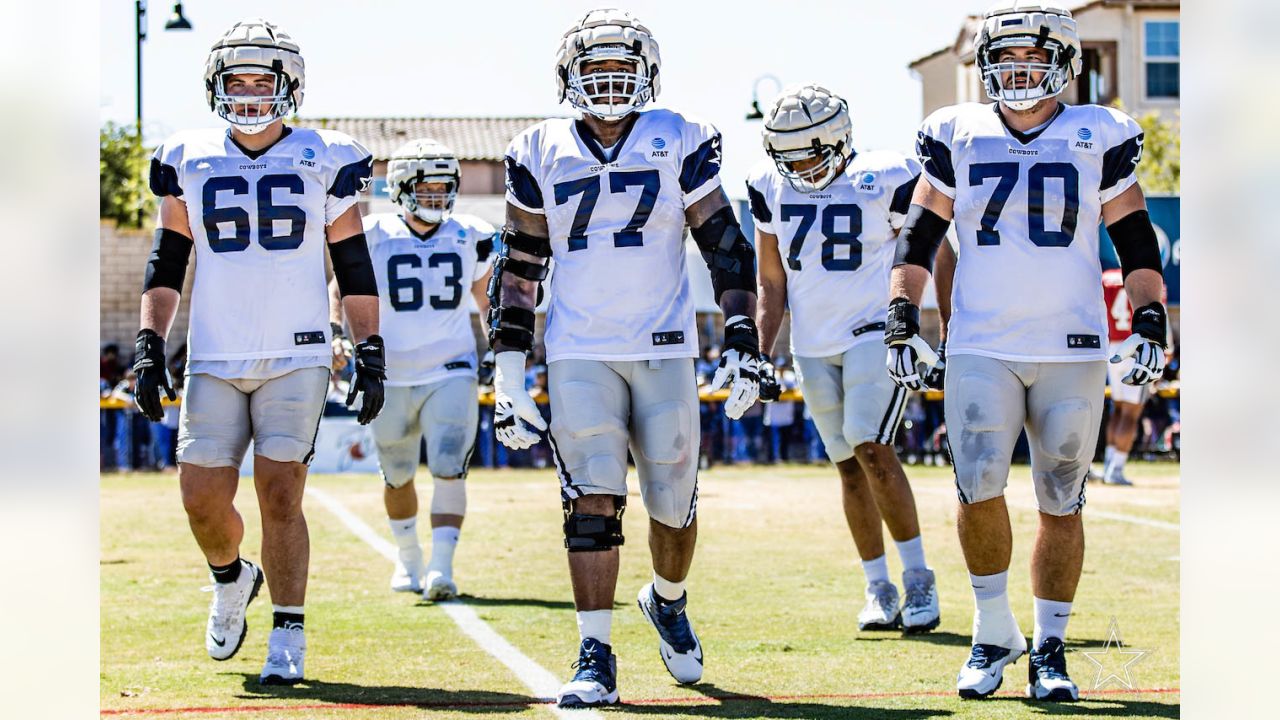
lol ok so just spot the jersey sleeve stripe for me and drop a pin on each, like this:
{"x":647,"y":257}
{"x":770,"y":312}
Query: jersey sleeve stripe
{"x":759,"y":208}
{"x":164,"y":179}
{"x":701,"y":165}
{"x":352,"y":178}
{"x":936,"y":157}
{"x":522,"y":186}
{"x":901,"y":202}
{"x":1121,"y":161}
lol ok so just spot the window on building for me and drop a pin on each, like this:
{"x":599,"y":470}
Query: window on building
{"x":1160,"y":58}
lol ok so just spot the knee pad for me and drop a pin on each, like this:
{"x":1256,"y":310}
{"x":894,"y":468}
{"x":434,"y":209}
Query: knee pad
{"x":282,"y":449}
{"x":449,"y":497}
{"x":204,"y":453}
{"x":663,"y":439}
{"x":1064,"y":427}
{"x":593,"y":533}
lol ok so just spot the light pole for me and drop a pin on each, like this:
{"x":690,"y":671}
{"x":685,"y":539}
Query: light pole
{"x":177,"y":21}
{"x":755,"y":113}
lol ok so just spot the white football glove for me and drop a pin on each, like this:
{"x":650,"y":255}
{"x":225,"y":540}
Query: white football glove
{"x":514,"y":410}
{"x":1146,"y":345}
{"x":739,"y":366}
{"x":1148,"y":360}
{"x":907,"y":350}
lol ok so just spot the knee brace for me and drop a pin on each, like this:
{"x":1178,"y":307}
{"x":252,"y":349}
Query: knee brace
{"x":592,"y":533}
{"x":448,"y":497}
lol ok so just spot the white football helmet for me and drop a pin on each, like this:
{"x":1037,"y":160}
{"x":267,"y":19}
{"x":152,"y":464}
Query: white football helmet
{"x":259,"y":47}
{"x":424,"y":161}
{"x":806,"y":123}
{"x":608,"y":34}
{"x":1027,"y":24}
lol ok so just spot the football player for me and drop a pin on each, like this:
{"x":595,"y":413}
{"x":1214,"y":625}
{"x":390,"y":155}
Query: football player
{"x":1127,"y":400}
{"x":1027,"y":180}
{"x":836,"y":213}
{"x":609,"y":195}
{"x":426,"y":257}
{"x":259,"y":202}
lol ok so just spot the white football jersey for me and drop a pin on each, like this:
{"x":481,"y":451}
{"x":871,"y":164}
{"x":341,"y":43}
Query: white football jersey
{"x":837,"y":247}
{"x":424,"y":291}
{"x":616,"y":218}
{"x":258,"y":220}
{"x":1027,"y":209}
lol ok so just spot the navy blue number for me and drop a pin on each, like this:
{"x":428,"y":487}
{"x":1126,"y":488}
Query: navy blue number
{"x":848,"y":238}
{"x":807,"y":214}
{"x":410,"y":281}
{"x":1036,"y":176}
{"x":1035,"y":203}
{"x":213,"y":215}
{"x":1007,"y":172}
{"x":630,"y":236}
{"x":269,"y":213}
{"x":452,"y":281}
{"x":589,"y":189}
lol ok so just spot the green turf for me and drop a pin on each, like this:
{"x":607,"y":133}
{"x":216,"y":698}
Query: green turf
{"x":773,"y":593}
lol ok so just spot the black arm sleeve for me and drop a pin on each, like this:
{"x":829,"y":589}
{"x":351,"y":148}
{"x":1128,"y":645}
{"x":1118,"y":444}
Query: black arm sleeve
{"x":353,"y":267}
{"x":921,"y":235}
{"x":167,"y":264}
{"x":1136,"y":243}
{"x":730,"y":257}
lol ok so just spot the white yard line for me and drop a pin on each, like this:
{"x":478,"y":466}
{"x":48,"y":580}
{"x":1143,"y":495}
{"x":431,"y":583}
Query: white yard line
{"x":535,"y":677}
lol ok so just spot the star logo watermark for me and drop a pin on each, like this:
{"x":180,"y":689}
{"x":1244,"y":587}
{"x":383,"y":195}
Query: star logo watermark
{"x":1113,"y":660}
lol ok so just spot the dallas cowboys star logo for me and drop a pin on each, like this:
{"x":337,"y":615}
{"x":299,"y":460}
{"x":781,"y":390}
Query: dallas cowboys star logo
{"x":1113,"y":660}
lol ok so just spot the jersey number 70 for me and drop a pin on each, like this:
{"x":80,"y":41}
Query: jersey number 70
{"x":1006,"y":175}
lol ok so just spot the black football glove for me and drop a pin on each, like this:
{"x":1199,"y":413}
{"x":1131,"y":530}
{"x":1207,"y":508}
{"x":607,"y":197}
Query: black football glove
{"x":370,"y":374}
{"x":770,"y":390}
{"x":484,"y":376}
{"x":937,"y":375}
{"x":153,"y":375}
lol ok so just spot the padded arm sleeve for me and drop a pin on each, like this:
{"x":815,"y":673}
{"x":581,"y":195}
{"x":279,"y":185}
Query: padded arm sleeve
{"x":731,"y":259}
{"x":167,"y":264}
{"x":353,"y":267}
{"x":1136,"y":243}
{"x":921,"y":235}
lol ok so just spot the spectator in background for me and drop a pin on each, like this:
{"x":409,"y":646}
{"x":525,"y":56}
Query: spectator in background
{"x":133,"y":436}
{"x":780,"y":416}
{"x":110,"y":369}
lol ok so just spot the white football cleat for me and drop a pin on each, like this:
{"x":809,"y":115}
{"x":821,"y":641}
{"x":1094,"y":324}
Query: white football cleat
{"x":227,"y":627}
{"x":920,"y":611}
{"x":408,"y":573}
{"x":439,"y":587}
{"x":983,"y":673}
{"x":881,"y":611}
{"x":677,"y":642}
{"x":286,"y":649}
{"x":1047,"y":677}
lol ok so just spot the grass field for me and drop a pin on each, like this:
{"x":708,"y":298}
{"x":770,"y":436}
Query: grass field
{"x":773,"y":593}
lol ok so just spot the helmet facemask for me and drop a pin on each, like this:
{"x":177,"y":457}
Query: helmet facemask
{"x":815,"y":177}
{"x":262,"y":110}
{"x":609,"y":95}
{"x":1054,"y":74}
{"x":429,"y":207}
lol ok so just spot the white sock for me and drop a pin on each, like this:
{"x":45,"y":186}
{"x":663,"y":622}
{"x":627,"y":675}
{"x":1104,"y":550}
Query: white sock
{"x":1051,"y":619}
{"x":405,"y":532}
{"x":993,"y":621}
{"x":1118,"y":460}
{"x":596,"y":624}
{"x":876,"y":570}
{"x":1107,"y":455}
{"x":667,"y":590}
{"x":912,"y":553}
{"x":444,"y":540}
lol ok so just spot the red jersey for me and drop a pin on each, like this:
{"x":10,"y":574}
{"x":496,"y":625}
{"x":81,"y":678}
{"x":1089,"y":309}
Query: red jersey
{"x":1119,"y":312}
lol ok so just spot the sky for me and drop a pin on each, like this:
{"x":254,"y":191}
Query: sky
{"x":496,"y":57}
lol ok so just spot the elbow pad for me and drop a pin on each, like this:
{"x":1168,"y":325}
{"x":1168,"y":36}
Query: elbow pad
{"x":731,"y":259}
{"x":921,"y":235}
{"x":1136,"y":243}
{"x":167,"y":264}
{"x":353,"y":267}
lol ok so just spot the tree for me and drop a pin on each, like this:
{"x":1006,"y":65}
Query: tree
{"x":1160,"y":171}
{"x":123,"y":195}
